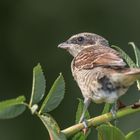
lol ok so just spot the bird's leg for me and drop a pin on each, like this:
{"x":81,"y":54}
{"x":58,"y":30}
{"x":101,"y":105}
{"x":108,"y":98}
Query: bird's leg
{"x":114,"y":112}
{"x":114,"y":109}
{"x":82,"y":118}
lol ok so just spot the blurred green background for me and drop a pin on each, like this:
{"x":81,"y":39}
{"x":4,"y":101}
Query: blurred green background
{"x":30,"y":31}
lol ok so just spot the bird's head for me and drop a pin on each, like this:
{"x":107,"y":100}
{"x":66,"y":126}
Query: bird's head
{"x":81,"y":41}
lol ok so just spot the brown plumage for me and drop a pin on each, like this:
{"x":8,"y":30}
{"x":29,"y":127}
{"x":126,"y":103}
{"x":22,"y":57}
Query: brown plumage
{"x":98,"y":56}
{"x":99,"y":70}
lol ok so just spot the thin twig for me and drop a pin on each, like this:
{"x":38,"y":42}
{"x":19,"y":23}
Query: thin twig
{"x":101,"y":119}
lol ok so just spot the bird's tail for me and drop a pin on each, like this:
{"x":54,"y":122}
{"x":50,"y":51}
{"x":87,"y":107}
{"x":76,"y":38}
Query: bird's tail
{"x":128,"y":76}
{"x":134,"y":72}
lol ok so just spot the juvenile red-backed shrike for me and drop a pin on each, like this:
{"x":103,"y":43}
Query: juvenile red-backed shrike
{"x":99,"y":70}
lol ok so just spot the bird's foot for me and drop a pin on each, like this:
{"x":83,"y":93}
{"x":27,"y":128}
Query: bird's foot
{"x":82,"y":118}
{"x":113,"y":112}
{"x":84,"y":122}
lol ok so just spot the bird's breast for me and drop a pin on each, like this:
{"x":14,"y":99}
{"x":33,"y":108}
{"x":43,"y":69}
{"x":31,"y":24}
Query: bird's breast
{"x":97,"y":85}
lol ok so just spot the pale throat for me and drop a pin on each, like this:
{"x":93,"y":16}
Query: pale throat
{"x":74,"y":51}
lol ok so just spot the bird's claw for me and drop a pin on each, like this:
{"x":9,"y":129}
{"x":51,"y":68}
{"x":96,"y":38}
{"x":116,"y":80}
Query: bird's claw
{"x":113,"y":112}
{"x":85,"y":129}
{"x":85,"y":123}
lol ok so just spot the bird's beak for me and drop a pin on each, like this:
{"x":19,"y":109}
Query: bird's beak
{"x":63,"y":45}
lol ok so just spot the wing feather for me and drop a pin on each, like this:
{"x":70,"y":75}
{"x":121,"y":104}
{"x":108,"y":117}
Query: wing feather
{"x":98,"y":56}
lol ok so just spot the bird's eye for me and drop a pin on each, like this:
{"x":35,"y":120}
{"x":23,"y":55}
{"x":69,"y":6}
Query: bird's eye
{"x":80,"y":39}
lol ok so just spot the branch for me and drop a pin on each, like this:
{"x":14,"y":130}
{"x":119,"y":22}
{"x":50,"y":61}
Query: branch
{"x":101,"y":119}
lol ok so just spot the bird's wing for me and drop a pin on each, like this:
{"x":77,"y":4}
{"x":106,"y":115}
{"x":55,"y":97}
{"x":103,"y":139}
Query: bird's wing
{"x":98,"y":56}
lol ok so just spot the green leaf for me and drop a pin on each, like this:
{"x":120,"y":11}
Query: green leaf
{"x":137,"y":56}
{"x":135,"y":135}
{"x":107,"y":132}
{"x":52,"y":127}
{"x":38,"y":86}
{"x":12,"y":108}
{"x":126,"y":57}
{"x":106,"y":108}
{"x":81,"y":135}
{"x":137,"y":53}
{"x":55,"y":95}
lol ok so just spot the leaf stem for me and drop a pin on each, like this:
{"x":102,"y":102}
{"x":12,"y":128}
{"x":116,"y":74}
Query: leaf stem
{"x":101,"y":119}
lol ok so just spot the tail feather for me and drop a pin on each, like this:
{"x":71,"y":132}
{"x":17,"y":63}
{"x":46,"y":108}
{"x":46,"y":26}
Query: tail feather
{"x":133,"y":71}
{"x":128,"y":76}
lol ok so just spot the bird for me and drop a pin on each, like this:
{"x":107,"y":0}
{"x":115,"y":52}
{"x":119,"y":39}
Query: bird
{"x":99,"y":70}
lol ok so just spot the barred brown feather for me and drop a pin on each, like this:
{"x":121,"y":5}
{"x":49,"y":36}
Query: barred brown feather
{"x":98,"y":69}
{"x":98,"y":56}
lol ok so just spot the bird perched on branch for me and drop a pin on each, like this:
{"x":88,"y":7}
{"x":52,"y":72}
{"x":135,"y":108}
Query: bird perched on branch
{"x":99,"y":70}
